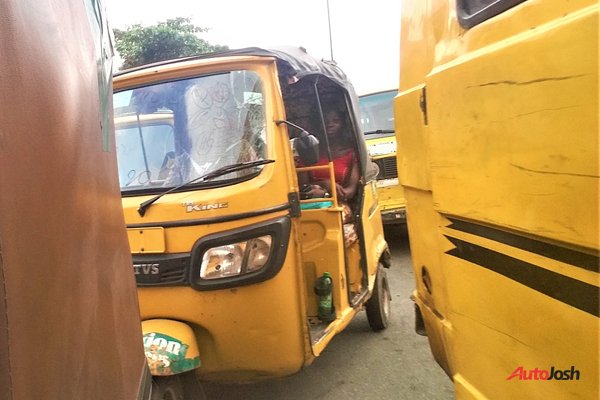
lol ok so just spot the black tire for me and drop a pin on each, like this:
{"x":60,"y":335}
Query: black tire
{"x":378,"y":306}
{"x":167,"y":388}
{"x":185,"y":386}
{"x":192,"y":387}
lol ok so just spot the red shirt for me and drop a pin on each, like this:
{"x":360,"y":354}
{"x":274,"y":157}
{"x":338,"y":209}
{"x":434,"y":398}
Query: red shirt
{"x":341,"y":166}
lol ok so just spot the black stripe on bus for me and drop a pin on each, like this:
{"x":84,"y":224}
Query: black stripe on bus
{"x":211,"y":220}
{"x":579,"y":259}
{"x":573,"y":292}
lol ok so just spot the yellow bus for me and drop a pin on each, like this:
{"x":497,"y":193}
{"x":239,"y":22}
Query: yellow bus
{"x":377,"y":121}
{"x":497,"y":127}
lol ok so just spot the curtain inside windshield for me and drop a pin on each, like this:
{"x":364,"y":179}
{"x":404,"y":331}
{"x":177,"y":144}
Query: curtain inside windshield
{"x":170,"y":133}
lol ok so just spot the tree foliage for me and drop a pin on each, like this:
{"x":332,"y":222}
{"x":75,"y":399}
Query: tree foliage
{"x":138,"y":45}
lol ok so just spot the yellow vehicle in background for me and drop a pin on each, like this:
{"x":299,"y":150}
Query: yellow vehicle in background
{"x":377,"y":119}
{"x":227,"y":255}
{"x":497,"y":126}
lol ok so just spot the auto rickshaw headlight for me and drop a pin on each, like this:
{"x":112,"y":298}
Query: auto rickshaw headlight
{"x":242,"y":256}
{"x":236,"y":258}
{"x":258,"y":252}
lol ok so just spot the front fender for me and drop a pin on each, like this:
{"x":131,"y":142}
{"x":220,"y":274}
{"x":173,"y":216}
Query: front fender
{"x":170,"y":347}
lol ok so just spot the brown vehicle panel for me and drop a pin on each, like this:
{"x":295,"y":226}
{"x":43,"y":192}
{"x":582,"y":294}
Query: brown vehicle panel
{"x":69,"y":319}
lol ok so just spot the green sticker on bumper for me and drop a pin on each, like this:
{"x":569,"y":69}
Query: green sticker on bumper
{"x":167,"y":355}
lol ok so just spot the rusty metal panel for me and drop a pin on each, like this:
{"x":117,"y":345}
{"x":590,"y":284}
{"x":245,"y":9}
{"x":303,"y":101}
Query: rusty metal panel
{"x":69,"y":318}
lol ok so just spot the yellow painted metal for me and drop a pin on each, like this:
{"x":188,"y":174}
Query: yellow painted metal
{"x":146,"y":240}
{"x":373,"y":234}
{"x":549,"y":98}
{"x":413,"y":142}
{"x":355,"y":275}
{"x":497,"y":127}
{"x":323,"y":251}
{"x":235,"y":327}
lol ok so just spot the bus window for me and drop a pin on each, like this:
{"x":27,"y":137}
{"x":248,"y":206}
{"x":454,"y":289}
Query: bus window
{"x":473,"y":12}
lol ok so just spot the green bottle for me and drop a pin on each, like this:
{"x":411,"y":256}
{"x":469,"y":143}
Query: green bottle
{"x":324,"y":289}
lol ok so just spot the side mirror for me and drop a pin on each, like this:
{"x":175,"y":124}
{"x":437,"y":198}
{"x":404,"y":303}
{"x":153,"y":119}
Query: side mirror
{"x":305,"y":144}
{"x":307,"y":147}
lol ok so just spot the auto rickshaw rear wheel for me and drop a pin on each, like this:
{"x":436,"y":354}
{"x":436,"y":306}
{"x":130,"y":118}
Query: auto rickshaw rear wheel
{"x":167,"y":388}
{"x":378,"y":306}
{"x":177,"y":387}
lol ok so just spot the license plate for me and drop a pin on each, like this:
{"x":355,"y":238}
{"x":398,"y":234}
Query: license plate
{"x":387,"y":182}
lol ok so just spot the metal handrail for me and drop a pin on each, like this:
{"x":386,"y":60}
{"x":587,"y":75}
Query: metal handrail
{"x":329,"y":166}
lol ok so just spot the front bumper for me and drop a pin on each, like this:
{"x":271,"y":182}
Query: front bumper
{"x":394,"y":216}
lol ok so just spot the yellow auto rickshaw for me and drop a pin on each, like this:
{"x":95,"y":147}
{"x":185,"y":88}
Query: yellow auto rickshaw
{"x":226,"y":250}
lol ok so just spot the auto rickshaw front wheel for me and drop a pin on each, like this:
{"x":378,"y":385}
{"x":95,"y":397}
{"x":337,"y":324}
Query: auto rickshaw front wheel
{"x":177,"y":387}
{"x":378,"y":306}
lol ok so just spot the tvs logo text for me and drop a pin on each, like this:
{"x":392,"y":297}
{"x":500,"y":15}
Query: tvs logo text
{"x":146,"y":269}
{"x":537,"y":374}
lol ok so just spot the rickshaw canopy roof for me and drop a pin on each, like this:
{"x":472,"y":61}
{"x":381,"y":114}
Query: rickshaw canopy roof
{"x":295,"y":61}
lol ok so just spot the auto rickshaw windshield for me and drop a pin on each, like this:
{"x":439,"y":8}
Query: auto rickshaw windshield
{"x":174,"y":132}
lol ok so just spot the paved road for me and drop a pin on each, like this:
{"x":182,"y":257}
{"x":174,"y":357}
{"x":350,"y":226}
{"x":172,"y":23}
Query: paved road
{"x":359,"y":363}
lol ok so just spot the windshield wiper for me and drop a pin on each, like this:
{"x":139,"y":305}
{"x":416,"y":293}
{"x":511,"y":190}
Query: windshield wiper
{"x":379,"y":131}
{"x":206,"y":177}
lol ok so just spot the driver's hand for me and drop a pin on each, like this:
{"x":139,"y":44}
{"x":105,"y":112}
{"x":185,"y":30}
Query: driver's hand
{"x":313,"y":191}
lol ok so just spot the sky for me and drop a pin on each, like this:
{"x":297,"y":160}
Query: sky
{"x":365,"y":34}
